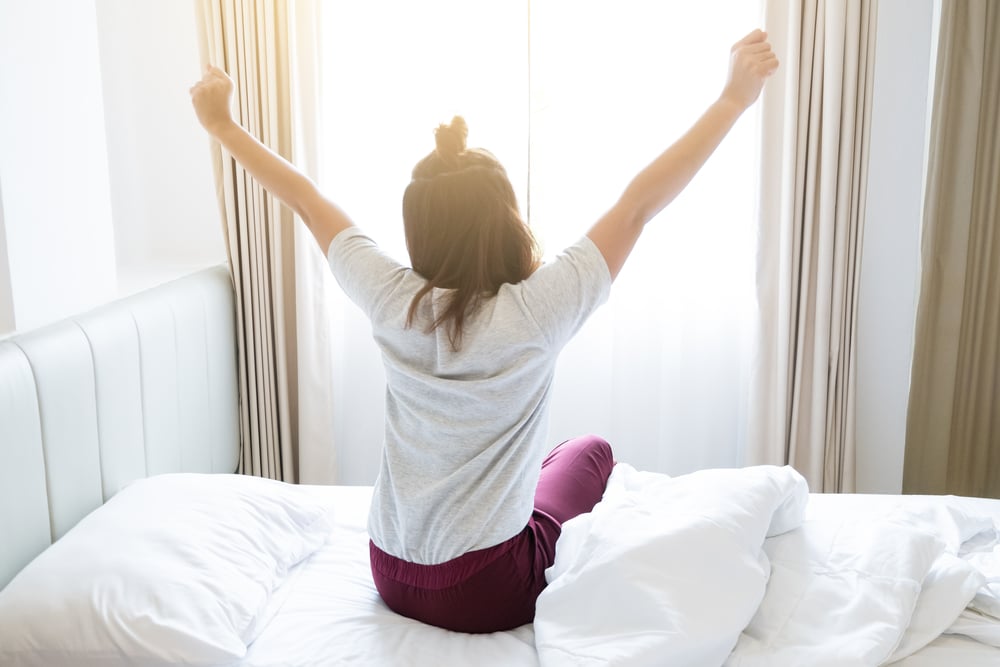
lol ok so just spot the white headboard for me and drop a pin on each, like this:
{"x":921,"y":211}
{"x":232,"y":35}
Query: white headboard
{"x":141,"y":386}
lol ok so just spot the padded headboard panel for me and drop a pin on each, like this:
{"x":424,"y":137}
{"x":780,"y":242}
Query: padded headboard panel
{"x":141,"y":386}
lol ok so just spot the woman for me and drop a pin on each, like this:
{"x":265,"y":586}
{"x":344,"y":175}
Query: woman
{"x":465,"y":514}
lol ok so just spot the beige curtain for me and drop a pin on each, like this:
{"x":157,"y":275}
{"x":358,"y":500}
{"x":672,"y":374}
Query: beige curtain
{"x":953,"y":420}
{"x":813,"y":177}
{"x":269,"y":48}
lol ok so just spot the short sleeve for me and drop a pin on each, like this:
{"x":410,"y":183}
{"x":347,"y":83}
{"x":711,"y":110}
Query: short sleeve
{"x":367,"y":275}
{"x":562,"y":294}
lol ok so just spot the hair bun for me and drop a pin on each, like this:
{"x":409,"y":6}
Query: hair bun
{"x":450,"y":139}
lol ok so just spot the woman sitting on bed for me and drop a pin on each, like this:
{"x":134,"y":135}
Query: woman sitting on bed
{"x":466,"y":513}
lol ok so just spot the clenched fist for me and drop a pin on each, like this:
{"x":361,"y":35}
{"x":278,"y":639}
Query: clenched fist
{"x":751,"y":62}
{"x":212,"y":99}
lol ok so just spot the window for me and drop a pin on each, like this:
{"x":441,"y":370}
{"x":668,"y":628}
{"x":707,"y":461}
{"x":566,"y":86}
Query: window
{"x":574,"y":98}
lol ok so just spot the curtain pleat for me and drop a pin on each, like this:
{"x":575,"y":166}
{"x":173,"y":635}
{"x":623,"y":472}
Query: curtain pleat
{"x":813,"y":179}
{"x":953,"y":428}
{"x":250,"y":39}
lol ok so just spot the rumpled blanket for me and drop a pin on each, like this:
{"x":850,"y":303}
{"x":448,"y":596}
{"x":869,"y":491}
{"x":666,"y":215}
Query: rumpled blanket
{"x":727,"y":567}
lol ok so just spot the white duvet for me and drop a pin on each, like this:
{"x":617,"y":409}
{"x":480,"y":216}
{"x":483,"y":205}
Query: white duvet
{"x":738,"y":568}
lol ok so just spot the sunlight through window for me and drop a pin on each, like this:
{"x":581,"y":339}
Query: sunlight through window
{"x":394,"y":71}
{"x":574,"y":97}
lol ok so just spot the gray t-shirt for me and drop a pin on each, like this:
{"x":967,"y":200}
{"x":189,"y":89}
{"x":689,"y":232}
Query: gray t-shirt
{"x":464,"y":431}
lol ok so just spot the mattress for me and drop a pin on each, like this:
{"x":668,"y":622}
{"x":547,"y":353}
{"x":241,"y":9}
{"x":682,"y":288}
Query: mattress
{"x":329,"y":613}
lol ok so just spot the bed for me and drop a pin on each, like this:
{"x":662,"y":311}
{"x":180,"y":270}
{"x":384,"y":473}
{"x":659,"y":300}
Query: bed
{"x":127,"y":539}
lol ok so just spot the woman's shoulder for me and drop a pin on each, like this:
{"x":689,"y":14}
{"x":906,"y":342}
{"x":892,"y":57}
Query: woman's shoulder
{"x":368,"y":275}
{"x":562,"y":293}
{"x":579,"y":262}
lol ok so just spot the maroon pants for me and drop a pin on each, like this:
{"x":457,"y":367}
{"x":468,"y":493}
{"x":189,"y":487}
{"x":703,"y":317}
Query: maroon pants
{"x":495,"y":589}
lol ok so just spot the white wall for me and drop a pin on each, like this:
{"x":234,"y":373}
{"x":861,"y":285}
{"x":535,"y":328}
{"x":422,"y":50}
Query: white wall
{"x":53,"y":162}
{"x":890,"y":259}
{"x":162,"y":189}
{"x":6,"y":296}
{"x":105,"y":177}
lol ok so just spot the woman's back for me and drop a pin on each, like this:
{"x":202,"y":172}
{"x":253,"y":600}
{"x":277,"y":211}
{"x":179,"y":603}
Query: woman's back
{"x":465,"y":427}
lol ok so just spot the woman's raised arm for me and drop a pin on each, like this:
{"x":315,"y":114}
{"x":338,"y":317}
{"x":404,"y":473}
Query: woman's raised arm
{"x":616,"y":233}
{"x":211,"y":98}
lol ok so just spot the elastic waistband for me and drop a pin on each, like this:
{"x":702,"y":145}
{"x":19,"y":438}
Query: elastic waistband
{"x":442,"y":575}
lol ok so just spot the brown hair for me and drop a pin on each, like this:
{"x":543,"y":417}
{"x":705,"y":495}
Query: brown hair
{"x":463,"y":228}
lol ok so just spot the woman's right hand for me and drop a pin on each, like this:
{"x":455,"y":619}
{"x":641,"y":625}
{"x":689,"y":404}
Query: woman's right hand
{"x":751,"y":62}
{"x":212,"y":99}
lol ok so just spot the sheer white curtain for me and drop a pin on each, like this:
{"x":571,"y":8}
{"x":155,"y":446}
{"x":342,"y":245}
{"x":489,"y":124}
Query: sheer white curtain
{"x":596,"y":90}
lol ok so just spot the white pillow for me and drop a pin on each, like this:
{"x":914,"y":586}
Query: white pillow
{"x":174,"y":569}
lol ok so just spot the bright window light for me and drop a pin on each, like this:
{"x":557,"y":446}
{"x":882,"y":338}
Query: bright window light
{"x":600,"y":91}
{"x":574,"y":97}
{"x":395,"y":70}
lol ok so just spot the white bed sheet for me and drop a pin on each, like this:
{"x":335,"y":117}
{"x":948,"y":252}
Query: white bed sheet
{"x":329,"y":613}
{"x":953,"y":651}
